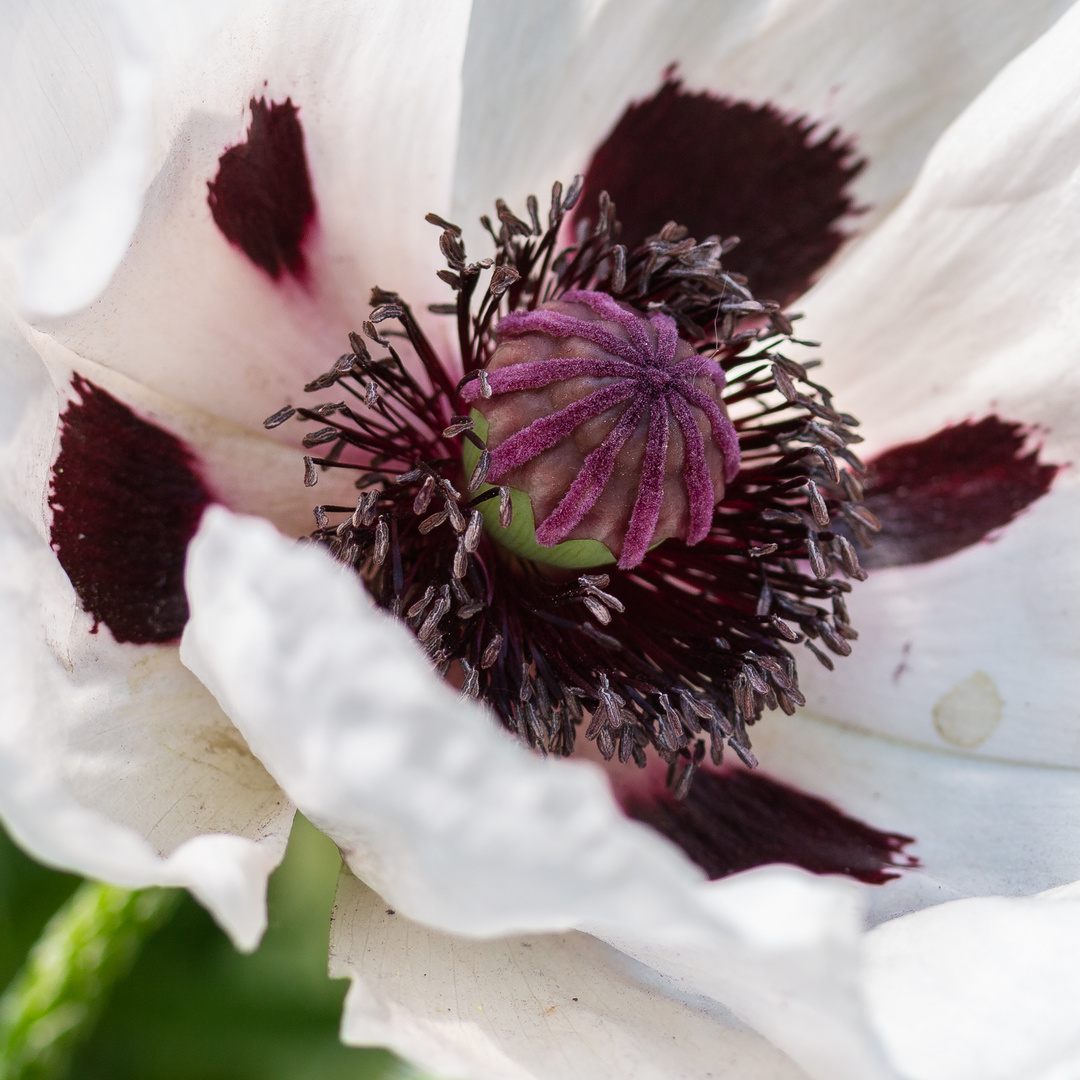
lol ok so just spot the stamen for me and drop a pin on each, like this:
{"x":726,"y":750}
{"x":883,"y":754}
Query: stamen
{"x":664,"y":374}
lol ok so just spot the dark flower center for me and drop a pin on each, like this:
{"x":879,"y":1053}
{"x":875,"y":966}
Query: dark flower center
{"x":630,"y":407}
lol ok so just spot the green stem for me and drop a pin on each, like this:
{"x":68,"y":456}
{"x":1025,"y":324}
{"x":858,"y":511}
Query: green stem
{"x":53,"y":1002}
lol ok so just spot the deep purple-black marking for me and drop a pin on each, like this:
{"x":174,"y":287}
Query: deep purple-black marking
{"x":731,"y":168}
{"x":735,"y":820}
{"x":946,"y":492}
{"x":126,"y":500}
{"x":261,"y":198}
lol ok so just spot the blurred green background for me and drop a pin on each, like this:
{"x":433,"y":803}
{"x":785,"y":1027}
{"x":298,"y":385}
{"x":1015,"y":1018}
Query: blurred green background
{"x":193,"y":1008}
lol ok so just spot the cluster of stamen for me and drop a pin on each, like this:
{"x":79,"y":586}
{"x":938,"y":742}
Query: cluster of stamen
{"x":681,"y":647}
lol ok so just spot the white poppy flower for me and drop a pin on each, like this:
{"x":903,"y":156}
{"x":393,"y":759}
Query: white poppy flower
{"x":513,"y":922}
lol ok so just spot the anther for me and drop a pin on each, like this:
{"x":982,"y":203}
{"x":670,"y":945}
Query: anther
{"x":491,"y":652}
{"x":849,"y":559}
{"x":480,"y":473}
{"x":817,"y":505}
{"x":825,"y":434}
{"x":382,"y":541}
{"x":420,"y":606}
{"x":506,"y":508}
{"x":457,"y":519}
{"x":279,"y":417}
{"x":461,"y":559}
{"x":371,"y":332}
{"x":323,"y":435}
{"x":597,"y":610}
{"x":784,"y":383}
{"x":366,"y":507}
{"x":473,"y":531}
{"x":423,"y":496}
{"x":458,"y":425}
{"x":430,"y":625}
{"x":833,"y":639}
{"x":471,"y":686}
{"x":432,"y":522}
{"x":817,"y":561}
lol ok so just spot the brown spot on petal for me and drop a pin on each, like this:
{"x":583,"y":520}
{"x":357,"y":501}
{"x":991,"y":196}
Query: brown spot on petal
{"x":730,"y":168}
{"x":126,"y":500}
{"x":736,"y":820}
{"x":946,"y":492}
{"x":261,"y":198}
{"x":968,"y":714}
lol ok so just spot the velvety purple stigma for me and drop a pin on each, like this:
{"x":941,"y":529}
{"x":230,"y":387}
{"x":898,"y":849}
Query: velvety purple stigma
{"x":612,"y":424}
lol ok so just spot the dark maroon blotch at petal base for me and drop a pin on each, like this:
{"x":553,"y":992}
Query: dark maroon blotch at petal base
{"x":261,"y":198}
{"x":732,"y":821}
{"x":730,"y":168}
{"x":126,"y":500}
{"x":948,"y":491}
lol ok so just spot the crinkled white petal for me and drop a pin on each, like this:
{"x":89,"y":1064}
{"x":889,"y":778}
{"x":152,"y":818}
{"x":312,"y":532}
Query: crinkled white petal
{"x":188,"y":314}
{"x":891,"y":78}
{"x":529,"y":1007}
{"x":336,"y":699}
{"x":980,"y":827}
{"x":457,"y":826}
{"x":115,"y":762}
{"x":980,"y":989}
{"x":961,"y":305}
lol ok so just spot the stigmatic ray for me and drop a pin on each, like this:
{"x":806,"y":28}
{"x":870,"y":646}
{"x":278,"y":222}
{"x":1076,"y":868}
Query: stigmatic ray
{"x":690,"y":477}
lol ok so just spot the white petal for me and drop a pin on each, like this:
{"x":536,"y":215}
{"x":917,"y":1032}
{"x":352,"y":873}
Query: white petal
{"x":980,"y":827}
{"x":280,"y":634}
{"x":964,"y":304}
{"x":976,"y":652}
{"x":982,"y":989}
{"x":121,"y":766}
{"x":59,"y":98}
{"x":459,"y":827}
{"x":115,"y":761}
{"x":189,"y":315}
{"x":565,"y":73}
{"x":534,"y":1007}
{"x":78,"y":134}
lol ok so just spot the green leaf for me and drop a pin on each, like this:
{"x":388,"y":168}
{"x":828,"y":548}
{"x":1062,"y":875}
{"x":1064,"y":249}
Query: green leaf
{"x":57,"y":996}
{"x":192,"y":1007}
